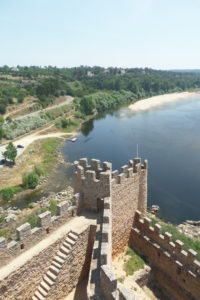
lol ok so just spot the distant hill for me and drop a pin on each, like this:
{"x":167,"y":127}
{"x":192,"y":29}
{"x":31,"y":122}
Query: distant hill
{"x":186,"y":70}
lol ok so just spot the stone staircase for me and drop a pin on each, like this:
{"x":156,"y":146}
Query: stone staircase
{"x":56,"y":266}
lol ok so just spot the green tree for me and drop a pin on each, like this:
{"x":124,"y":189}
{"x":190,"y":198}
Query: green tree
{"x":87,"y":105}
{"x":10,"y":153}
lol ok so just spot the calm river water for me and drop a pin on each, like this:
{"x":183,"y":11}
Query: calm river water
{"x":168,"y":136}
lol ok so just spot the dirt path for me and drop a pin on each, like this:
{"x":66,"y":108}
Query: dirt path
{"x":27,"y":140}
{"x":77,"y":223}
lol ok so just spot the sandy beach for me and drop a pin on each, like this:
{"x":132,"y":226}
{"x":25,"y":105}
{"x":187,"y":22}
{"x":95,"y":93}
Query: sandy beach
{"x":148,"y":103}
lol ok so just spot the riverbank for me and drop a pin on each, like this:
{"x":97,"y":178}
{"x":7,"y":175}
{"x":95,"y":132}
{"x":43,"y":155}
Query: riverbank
{"x":155,"y":101}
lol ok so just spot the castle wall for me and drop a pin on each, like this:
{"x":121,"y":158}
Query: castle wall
{"x":22,"y":283}
{"x":102,"y":283}
{"x":129,"y":192}
{"x":92,"y":182}
{"x":176,"y":270}
{"x":27,"y":237}
{"x":76,"y":267}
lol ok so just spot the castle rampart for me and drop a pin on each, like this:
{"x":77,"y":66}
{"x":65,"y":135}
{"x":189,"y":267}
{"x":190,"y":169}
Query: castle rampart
{"x":27,"y":237}
{"x":178,"y":267}
{"x":56,"y":268}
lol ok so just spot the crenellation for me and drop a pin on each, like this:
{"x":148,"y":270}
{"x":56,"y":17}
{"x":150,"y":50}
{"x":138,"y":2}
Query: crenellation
{"x":129,"y":172}
{"x":120,"y":178}
{"x":125,"y":170}
{"x":157,"y":230}
{"x":95,"y":165}
{"x":145,"y":165}
{"x":83,"y":162}
{"x":191,"y":256}
{"x":174,"y":255}
{"x":178,"y":247}
{"x":137,"y":168}
{"x":62,"y":208}
{"x":147,"y":224}
{"x":115,"y":174}
{"x":23,"y":231}
{"x":106,"y":215}
{"x":45,"y":219}
{"x":167,"y":237}
{"x":107,"y":166}
{"x":136,"y":160}
{"x":90,"y":176}
{"x":27,"y":237}
{"x":130,"y":164}
{"x":12,"y":244}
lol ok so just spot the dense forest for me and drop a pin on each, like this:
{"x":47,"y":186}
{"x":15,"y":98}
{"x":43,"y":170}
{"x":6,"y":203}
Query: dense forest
{"x":93,"y":87}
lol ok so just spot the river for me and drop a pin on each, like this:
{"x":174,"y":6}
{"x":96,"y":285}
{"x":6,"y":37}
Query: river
{"x":168,"y":136}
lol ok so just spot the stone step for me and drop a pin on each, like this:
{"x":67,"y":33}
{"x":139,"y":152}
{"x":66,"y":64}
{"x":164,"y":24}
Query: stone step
{"x":55,"y":264}
{"x":38,"y":295}
{"x":45,"y":286}
{"x":64,"y":250}
{"x":48,"y":280}
{"x":34,"y":298}
{"x":74,"y":232}
{"x":59,"y":260}
{"x":61,"y":255}
{"x":54,"y":270}
{"x":72,"y":236}
{"x":42,"y":291}
{"x":66,"y":245}
{"x":51,"y":275}
{"x":70,"y":241}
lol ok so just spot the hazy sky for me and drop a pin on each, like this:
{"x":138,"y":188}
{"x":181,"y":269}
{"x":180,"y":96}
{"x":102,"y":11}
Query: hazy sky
{"x":161,"y":34}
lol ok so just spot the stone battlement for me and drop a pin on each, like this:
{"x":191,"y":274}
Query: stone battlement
{"x":95,"y":182}
{"x":27,"y":237}
{"x":164,"y":243}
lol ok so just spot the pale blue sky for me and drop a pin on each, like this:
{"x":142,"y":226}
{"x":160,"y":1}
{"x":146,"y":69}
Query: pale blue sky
{"x":161,"y":34}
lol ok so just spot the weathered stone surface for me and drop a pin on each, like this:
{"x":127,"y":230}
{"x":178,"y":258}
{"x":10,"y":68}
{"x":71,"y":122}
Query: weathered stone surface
{"x":23,"y":231}
{"x":45,"y":219}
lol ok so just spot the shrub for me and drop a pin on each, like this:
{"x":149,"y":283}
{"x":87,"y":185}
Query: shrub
{"x":8,"y":192}
{"x":53,"y":207}
{"x":32,"y":220}
{"x":4,"y":233}
{"x":20,"y":127}
{"x":25,"y":180}
{"x":38,"y":170}
{"x":2,"y":218}
{"x":32,"y":180}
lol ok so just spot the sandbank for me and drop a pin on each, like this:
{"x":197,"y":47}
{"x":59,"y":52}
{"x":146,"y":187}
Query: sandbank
{"x":148,"y":103}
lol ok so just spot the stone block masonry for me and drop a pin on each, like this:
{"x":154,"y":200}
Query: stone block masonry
{"x":174,"y":269}
{"x":27,"y":237}
{"x":52,"y":270}
{"x":127,"y":190}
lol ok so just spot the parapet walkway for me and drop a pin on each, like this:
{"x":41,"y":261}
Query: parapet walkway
{"x":77,"y":223}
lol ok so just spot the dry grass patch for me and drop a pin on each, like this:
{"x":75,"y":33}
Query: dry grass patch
{"x":41,"y":153}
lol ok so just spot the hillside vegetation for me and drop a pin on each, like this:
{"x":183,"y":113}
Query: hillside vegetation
{"x":94,"y":90}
